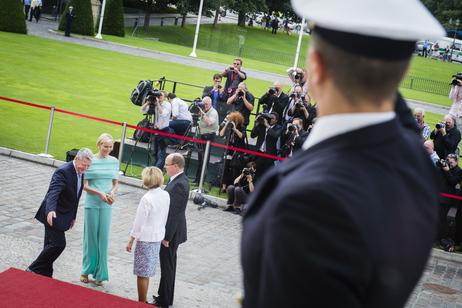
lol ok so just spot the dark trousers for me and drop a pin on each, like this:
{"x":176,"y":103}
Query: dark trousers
{"x":167,"y":258}
{"x":26,"y":10}
{"x":443,"y":213}
{"x":68,"y":27}
{"x":53,"y":246}
{"x":179,"y":126}
{"x":35,"y":12}
{"x":236,"y":196}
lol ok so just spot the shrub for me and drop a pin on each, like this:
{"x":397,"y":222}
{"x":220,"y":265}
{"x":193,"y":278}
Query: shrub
{"x":13,"y":19}
{"x":83,"y":22}
{"x":113,"y":23}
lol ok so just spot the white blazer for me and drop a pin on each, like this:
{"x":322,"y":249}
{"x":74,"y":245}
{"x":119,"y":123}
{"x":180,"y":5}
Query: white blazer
{"x":151,"y":216}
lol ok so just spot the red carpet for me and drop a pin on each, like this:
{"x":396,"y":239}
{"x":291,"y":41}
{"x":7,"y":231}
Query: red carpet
{"x":19,"y":288}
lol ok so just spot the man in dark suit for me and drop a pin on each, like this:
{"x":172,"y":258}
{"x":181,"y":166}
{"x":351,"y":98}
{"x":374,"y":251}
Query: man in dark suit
{"x":350,"y":219}
{"x":446,"y":136}
{"x":274,"y":100}
{"x":58,"y":210}
{"x":175,"y":230}
{"x":69,"y":19}
{"x":267,"y":132}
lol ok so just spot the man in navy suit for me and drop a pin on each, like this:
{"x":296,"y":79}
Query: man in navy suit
{"x":58,"y":210}
{"x":175,"y":229}
{"x":350,"y":219}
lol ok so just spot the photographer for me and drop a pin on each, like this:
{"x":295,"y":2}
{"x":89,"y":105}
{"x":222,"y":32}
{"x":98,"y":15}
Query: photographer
{"x":267,"y":132}
{"x":234,"y":131}
{"x":446,"y":136}
{"x":298,"y":77}
{"x":293,"y":138}
{"x":234,"y":76}
{"x":456,"y":95}
{"x":181,"y":117}
{"x":208,"y":125}
{"x":450,"y":175}
{"x":218,"y":96}
{"x":242,"y":100}
{"x":294,"y":96}
{"x":162,"y":111}
{"x":274,"y":100}
{"x":304,"y":110}
{"x":239,"y":191}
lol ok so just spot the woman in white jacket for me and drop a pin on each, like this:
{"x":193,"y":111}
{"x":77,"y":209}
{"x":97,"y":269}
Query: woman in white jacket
{"x":149,"y":229}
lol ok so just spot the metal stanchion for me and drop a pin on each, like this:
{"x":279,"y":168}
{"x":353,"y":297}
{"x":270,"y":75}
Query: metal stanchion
{"x":50,"y":126}
{"x":122,"y":143}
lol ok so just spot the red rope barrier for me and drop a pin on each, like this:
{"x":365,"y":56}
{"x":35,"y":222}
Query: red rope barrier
{"x":146,"y":129}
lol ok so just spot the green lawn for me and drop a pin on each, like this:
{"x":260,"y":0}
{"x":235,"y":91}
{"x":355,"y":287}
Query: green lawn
{"x":98,"y":83}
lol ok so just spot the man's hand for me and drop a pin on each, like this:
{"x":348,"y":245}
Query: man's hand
{"x":50,"y":217}
{"x":165,"y":243}
{"x":72,"y":223}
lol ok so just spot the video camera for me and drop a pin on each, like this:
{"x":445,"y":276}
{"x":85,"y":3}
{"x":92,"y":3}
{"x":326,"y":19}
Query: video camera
{"x":455,"y":78}
{"x":195,"y":105}
{"x":152,"y":95}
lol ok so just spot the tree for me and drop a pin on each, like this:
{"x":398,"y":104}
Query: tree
{"x":13,"y":19}
{"x":83,"y":22}
{"x":445,"y":11}
{"x":243,"y":7}
{"x":113,"y":22}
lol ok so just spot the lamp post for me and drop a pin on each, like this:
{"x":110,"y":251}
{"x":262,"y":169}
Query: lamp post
{"x":454,"y":40}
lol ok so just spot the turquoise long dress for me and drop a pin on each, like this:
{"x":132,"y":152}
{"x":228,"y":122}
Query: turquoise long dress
{"x":97,"y":215}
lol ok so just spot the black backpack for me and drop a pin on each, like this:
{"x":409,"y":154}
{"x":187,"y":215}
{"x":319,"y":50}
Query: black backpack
{"x":140,"y":92}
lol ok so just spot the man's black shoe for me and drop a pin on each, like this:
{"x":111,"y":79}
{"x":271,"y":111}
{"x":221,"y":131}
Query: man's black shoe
{"x":230,"y":208}
{"x":158,"y":304}
{"x":237,"y":211}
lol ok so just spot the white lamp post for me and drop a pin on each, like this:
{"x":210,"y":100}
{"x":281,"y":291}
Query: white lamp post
{"x":98,"y":36}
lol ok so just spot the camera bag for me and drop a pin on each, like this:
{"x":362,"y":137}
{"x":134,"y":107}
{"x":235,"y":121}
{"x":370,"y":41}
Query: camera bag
{"x":140,"y":92}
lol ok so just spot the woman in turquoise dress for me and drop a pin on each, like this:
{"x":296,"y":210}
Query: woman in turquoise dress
{"x":100,"y":183}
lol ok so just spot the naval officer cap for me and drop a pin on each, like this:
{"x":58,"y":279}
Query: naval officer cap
{"x":384,"y":29}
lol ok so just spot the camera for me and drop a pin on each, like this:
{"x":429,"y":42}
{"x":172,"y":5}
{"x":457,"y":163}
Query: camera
{"x":299,"y":104}
{"x":248,"y":171}
{"x":294,"y":95}
{"x":440,"y":125}
{"x":152,"y":95}
{"x":219,"y":86}
{"x":240,"y":92}
{"x":455,"y":78}
{"x":298,"y":76}
{"x":231,"y":68}
{"x":195,"y":105}
{"x":273,"y":90}
{"x":293,"y":127}
{"x":260,"y":117}
{"x":442,"y":163}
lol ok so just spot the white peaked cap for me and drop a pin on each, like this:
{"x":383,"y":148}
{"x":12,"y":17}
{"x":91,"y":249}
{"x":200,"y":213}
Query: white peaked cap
{"x":407,"y":20}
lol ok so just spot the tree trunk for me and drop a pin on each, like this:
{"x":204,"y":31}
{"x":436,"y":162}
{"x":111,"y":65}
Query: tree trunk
{"x":147,"y":16}
{"x":241,"y":20}
{"x":215,"y":21}
{"x":183,"y":21}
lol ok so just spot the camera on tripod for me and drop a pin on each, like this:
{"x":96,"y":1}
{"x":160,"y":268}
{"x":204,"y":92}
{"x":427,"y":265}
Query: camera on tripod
{"x":152,"y":95}
{"x":196,"y":105}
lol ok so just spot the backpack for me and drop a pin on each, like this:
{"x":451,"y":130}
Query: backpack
{"x":140,"y":92}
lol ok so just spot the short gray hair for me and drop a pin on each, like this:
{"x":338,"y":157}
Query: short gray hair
{"x":419,"y":110}
{"x":84,"y":153}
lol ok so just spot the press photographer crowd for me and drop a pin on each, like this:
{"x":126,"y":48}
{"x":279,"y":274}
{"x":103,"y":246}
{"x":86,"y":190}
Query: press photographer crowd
{"x":225,"y":112}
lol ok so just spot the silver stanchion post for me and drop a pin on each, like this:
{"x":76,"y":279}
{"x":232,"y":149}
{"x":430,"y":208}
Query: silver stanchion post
{"x":50,"y":126}
{"x":122,"y":143}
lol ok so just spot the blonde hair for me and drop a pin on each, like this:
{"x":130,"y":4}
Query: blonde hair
{"x":103,"y":139}
{"x":152,"y":177}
